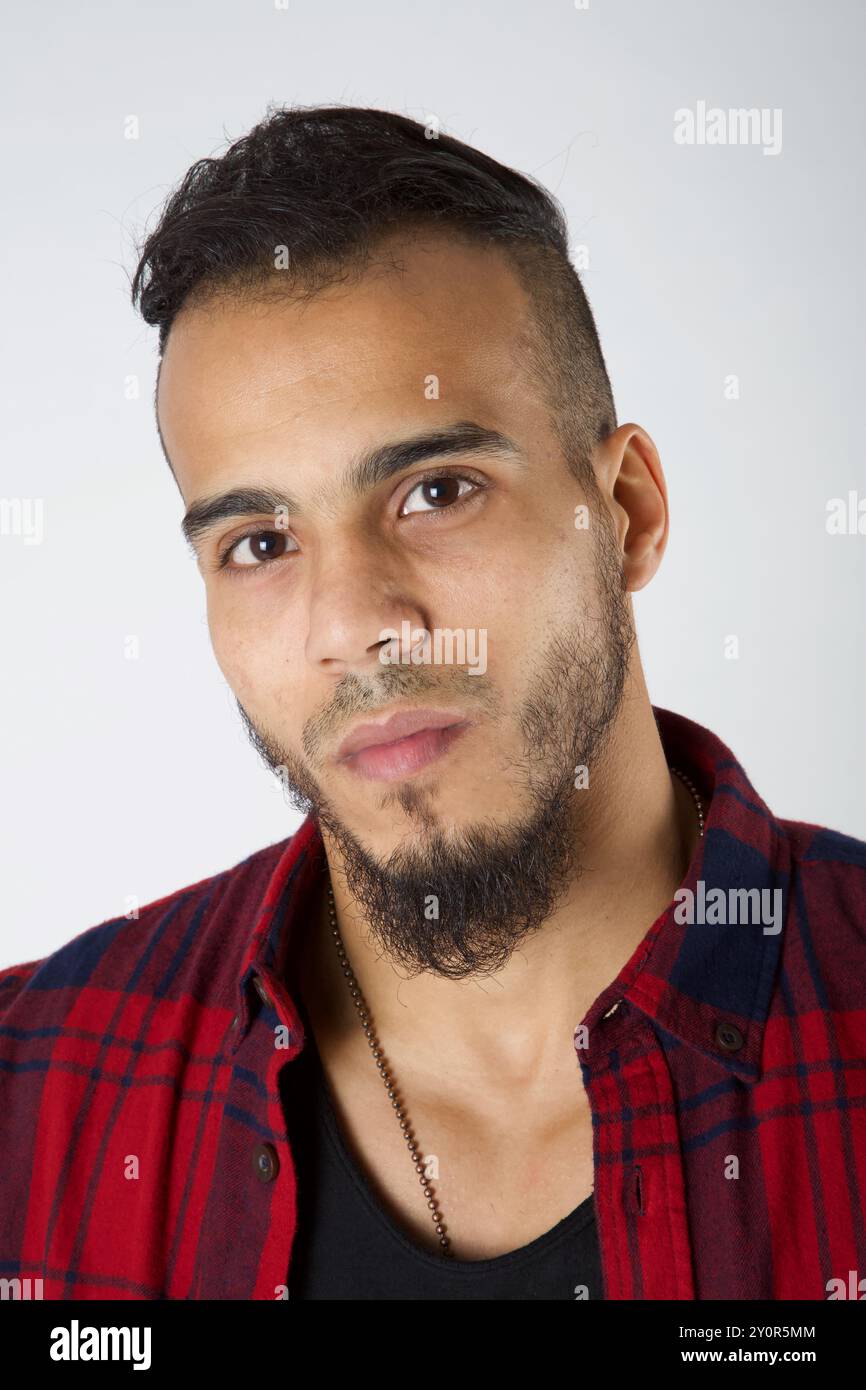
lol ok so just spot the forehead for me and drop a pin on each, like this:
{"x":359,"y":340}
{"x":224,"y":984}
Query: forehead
{"x":434,"y":329}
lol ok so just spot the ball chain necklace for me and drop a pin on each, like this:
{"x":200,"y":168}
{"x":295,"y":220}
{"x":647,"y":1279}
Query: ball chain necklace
{"x":373,"y":1041}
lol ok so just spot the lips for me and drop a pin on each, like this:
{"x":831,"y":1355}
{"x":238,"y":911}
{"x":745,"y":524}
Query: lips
{"x":398,"y":726}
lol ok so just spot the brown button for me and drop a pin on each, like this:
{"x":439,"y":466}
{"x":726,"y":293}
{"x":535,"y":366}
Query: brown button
{"x":262,"y":992}
{"x":729,"y":1037}
{"x":235,"y":1021}
{"x":265,"y":1162}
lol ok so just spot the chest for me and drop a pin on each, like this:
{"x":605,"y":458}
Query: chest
{"x":499,"y":1178}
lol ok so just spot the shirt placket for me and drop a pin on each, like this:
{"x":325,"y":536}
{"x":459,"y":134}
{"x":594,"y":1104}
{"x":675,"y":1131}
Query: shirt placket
{"x":255,"y":1191}
{"x":640,"y":1198}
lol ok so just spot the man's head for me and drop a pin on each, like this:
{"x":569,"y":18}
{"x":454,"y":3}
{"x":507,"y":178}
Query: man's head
{"x":385,"y":405}
{"x":302,"y":200}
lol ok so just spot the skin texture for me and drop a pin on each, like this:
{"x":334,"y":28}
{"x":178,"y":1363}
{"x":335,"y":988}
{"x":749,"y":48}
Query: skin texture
{"x":478,"y":1024}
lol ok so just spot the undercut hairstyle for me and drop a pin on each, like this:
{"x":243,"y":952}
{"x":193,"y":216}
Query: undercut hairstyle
{"x":301,"y":201}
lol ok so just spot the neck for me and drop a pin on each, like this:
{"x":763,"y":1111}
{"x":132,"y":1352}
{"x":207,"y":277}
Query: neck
{"x":644,"y":831}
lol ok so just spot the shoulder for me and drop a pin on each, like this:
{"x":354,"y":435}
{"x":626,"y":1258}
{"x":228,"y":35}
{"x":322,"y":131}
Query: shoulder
{"x":163,"y":946}
{"x":828,"y":891}
{"x":817,"y":844}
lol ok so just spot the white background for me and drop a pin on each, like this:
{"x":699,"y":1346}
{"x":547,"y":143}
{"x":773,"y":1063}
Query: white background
{"x":135,"y":777}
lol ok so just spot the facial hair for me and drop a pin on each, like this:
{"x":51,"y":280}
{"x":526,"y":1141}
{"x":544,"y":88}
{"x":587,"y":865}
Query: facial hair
{"x":458,"y":904}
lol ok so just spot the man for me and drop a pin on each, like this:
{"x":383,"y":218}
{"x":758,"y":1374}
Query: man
{"x":541,"y":1000}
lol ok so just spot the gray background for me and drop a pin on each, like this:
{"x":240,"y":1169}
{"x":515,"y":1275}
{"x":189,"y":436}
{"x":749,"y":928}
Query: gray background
{"x":135,"y":777}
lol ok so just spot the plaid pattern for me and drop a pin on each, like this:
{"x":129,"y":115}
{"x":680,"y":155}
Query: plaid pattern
{"x":144,"y":1149}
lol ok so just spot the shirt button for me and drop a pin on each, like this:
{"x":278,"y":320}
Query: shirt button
{"x":262,"y":992}
{"x":265,"y":1162}
{"x":613,"y":1009}
{"x":235,"y":1021}
{"x":729,"y":1037}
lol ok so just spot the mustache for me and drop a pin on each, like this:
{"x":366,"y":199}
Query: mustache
{"x":356,"y":696}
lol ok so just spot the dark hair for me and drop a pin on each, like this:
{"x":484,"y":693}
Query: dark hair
{"x":324,"y":183}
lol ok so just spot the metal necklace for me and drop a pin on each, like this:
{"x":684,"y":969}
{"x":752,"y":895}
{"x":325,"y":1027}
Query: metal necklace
{"x":370,"y":1034}
{"x":687,"y":781}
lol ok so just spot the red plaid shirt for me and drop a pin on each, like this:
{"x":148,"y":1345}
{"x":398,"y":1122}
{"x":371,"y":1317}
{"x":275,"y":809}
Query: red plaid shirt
{"x":144,"y":1149}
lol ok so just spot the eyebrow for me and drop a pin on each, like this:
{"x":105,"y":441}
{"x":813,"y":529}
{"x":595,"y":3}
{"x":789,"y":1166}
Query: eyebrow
{"x":366,"y":472}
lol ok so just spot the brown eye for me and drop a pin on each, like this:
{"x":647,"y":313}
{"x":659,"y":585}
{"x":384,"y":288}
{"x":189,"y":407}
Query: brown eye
{"x":436,"y":494}
{"x":258,"y":548}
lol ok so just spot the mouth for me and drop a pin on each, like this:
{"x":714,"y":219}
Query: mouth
{"x":402,"y":745}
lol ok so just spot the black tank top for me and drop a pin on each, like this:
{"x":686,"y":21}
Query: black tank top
{"x":348,"y":1247}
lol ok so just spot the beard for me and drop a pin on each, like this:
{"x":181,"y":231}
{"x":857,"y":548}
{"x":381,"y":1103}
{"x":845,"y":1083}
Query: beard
{"x":458,"y":903}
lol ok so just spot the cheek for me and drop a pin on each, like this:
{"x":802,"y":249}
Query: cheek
{"x":255,"y":653}
{"x":220,"y":638}
{"x":523,"y":585}
{"x":241,"y":652}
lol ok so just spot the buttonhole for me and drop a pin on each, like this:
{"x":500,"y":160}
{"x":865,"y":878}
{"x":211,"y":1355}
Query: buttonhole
{"x":638,"y":1190}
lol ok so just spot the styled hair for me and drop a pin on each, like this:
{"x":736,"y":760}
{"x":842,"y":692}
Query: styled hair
{"x":319,"y":185}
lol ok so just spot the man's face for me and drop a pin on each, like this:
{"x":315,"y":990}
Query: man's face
{"x":480,"y":543}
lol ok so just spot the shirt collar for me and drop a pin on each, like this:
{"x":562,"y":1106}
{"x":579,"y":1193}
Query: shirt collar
{"x":706,"y":985}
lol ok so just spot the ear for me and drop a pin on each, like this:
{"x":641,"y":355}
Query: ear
{"x":630,"y":476}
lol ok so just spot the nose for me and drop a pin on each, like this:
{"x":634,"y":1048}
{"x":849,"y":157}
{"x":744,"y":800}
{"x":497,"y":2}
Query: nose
{"x":357,"y":594}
